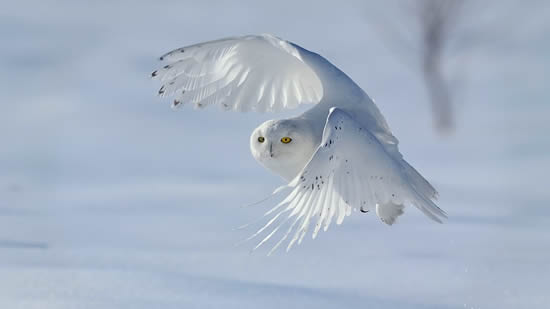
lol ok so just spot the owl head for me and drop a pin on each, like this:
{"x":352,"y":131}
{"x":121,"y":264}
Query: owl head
{"x":283,"y":146}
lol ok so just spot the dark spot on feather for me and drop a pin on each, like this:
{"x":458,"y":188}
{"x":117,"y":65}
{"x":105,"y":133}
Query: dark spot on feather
{"x":363,"y":210}
{"x":161,"y":58}
{"x":161,"y":90}
{"x":176,"y":103}
{"x":312,"y":187}
{"x":182,"y":50}
{"x":167,"y":66}
{"x":154,"y":74}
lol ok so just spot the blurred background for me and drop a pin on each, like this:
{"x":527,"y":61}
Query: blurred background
{"x":110,"y":199}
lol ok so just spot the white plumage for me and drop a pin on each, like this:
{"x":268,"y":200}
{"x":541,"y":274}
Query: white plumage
{"x":337,"y":156}
{"x":214,"y":73}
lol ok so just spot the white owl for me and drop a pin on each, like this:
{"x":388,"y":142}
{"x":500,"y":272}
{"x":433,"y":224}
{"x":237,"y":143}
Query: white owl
{"x":337,"y":156}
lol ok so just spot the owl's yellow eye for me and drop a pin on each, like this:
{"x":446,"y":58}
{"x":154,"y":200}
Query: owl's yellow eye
{"x":261,"y":139}
{"x":286,"y":140}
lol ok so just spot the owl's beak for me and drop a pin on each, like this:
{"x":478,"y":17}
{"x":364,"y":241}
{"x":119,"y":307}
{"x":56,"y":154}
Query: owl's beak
{"x":271,"y":150}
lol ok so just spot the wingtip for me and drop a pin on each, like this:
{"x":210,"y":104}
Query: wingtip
{"x":279,"y":189}
{"x":176,"y":104}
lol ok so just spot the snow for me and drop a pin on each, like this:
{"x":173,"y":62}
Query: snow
{"x":109,"y":199}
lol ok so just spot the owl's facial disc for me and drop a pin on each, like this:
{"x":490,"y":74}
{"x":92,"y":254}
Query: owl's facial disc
{"x":274,"y":140}
{"x":282,"y":146}
{"x":261,"y":139}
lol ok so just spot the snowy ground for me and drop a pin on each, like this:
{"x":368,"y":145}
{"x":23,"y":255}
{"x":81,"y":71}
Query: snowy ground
{"x":108,"y":199}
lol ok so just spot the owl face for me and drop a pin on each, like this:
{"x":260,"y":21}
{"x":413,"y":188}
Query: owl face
{"x":283,"y":146}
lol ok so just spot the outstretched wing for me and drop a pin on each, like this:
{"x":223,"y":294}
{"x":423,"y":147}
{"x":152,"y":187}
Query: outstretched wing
{"x":265,"y":73}
{"x":350,"y":170}
{"x":261,"y":73}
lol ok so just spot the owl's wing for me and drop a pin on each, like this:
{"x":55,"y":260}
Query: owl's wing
{"x":260,"y":73}
{"x":265,"y":73}
{"x":349,"y":170}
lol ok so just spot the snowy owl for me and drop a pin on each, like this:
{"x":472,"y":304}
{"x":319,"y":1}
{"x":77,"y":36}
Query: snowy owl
{"x":338,"y":156}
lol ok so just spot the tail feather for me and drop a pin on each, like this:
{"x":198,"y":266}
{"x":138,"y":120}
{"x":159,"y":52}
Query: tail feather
{"x":389,"y":212}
